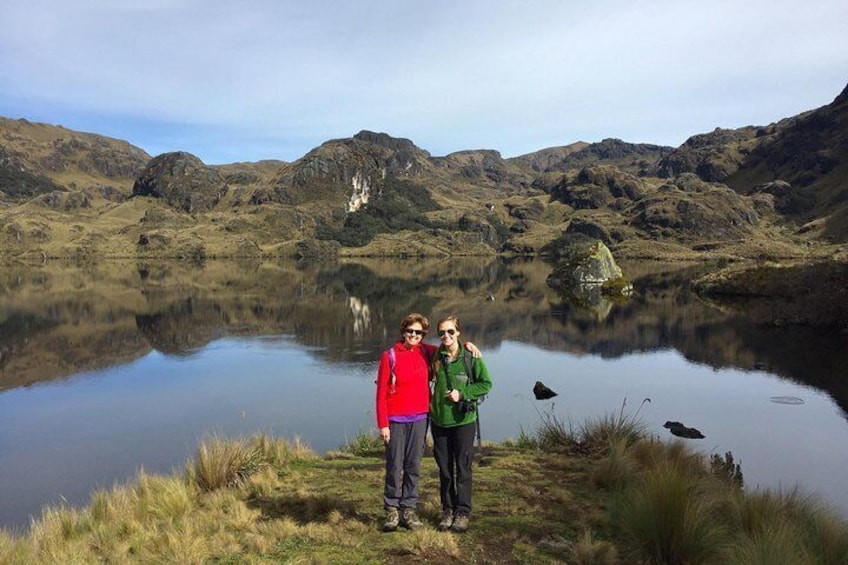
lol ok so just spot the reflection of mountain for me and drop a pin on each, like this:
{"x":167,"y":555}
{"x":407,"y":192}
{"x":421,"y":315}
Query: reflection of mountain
{"x":56,"y":322}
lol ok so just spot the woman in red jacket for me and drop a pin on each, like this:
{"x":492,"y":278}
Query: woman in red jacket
{"x":403,"y":403}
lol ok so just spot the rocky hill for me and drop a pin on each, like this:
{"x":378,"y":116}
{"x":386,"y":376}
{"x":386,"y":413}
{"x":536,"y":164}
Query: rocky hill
{"x":757,"y":191}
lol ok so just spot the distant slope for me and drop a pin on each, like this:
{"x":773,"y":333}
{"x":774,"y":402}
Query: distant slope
{"x":634,"y":158}
{"x":70,"y":159}
{"x":547,"y":159}
{"x":810,"y":152}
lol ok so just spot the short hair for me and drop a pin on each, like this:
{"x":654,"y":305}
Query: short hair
{"x":414,"y":318}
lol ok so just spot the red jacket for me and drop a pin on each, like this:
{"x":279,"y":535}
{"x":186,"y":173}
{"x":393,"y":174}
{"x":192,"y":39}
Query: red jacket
{"x":411,"y":391}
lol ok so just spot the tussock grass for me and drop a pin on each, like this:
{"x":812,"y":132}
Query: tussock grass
{"x":365,"y":445}
{"x":164,"y":498}
{"x":651,"y":453}
{"x":429,"y":545}
{"x":588,"y":550}
{"x":667,"y":517}
{"x":673,"y":505}
{"x":225,"y":463}
{"x":14,"y":550}
{"x":598,"y":435}
{"x":609,"y":429}
{"x":779,"y":545}
{"x":554,"y":435}
{"x":222,"y":463}
{"x":791,"y":518}
{"x":616,"y":469}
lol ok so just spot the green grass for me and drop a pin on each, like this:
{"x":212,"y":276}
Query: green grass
{"x":602,"y":495}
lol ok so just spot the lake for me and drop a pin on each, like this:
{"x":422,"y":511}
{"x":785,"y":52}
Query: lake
{"x":111,"y":367}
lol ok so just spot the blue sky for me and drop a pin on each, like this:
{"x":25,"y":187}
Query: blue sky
{"x":271,"y":79}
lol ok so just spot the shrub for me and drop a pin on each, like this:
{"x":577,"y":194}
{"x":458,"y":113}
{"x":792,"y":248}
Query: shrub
{"x":726,"y":469}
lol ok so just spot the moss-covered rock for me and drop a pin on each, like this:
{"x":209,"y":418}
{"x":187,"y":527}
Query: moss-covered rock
{"x":588,"y":265}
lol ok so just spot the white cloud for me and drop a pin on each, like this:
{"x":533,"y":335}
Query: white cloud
{"x":515,"y":76}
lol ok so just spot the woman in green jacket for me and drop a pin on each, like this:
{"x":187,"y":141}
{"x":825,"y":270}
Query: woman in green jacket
{"x":453,"y":415}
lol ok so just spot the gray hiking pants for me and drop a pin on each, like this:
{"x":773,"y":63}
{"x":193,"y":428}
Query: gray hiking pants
{"x":403,"y":463}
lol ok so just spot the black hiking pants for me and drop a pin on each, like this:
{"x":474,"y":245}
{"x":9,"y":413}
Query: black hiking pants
{"x":453,"y":449}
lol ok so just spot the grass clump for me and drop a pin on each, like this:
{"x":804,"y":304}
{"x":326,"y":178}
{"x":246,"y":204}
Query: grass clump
{"x":597,"y":435}
{"x":222,"y":463}
{"x":588,"y":550}
{"x":663,"y":518}
{"x":365,"y":445}
{"x":226,"y":463}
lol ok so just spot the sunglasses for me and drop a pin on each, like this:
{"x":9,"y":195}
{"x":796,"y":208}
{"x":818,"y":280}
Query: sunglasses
{"x":446,"y":332}
{"x":414,"y":332}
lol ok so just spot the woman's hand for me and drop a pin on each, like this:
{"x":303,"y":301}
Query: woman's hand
{"x":476,"y":353}
{"x":385,"y":434}
{"x":454,"y":396}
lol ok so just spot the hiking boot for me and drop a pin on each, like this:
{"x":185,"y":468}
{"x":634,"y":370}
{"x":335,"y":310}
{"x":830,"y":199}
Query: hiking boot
{"x":409,"y":519}
{"x":447,"y":520}
{"x":392,"y":519}
{"x":460,"y":523}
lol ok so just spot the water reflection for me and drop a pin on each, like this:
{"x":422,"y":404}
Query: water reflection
{"x":57,"y":321}
{"x":198,"y":345}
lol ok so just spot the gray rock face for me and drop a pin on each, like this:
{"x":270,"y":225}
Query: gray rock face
{"x":183,"y":181}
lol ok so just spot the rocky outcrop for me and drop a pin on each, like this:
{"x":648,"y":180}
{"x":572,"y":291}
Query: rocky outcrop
{"x":18,"y":184}
{"x":633,"y":158}
{"x":548,"y":159}
{"x":810,"y":153}
{"x":484,"y":165}
{"x":597,"y":187}
{"x":688,"y":207}
{"x":591,"y":229}
{"x":181,"y":180}
{"x":712,"y":156}
{"x":348,"y":172}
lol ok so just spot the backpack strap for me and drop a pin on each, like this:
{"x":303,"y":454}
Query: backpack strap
{"x":469,"y":365}
{"x":391,"y":353}
{"x":469,"y":370}
{"x":392,"y":377}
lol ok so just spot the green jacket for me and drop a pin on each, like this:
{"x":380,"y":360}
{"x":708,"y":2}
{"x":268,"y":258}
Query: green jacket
{"x":443,"y":412}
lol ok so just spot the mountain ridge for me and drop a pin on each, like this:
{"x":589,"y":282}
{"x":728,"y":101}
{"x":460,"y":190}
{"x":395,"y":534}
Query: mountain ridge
{"x":787,"y":179}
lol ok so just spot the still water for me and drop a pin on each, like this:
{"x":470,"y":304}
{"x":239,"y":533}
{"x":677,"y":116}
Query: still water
{"x":106,"y":369}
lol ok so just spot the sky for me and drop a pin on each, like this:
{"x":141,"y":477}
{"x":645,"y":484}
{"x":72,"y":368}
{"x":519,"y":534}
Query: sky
{"x":272,"y":79}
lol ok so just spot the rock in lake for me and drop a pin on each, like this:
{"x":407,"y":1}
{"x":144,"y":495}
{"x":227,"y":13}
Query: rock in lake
{"x":679,"y":430}
{"x":589,"y":266}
